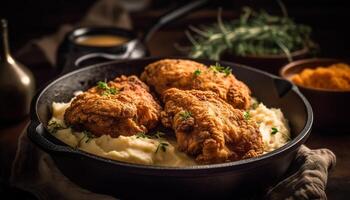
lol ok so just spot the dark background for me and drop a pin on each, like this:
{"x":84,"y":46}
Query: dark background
{"x":330,"y":19}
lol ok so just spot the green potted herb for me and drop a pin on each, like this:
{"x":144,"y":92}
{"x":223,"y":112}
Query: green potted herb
{"x":257,"y":39}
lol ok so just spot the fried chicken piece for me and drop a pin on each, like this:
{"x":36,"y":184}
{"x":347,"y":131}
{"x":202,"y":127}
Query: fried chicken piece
{"x":169,"y":73}
{"x":186,"y":75}
{"x":127,"y":111}
{"x":209,"y":128}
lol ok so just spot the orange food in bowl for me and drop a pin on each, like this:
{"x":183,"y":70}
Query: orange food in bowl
{"x":334,"y":77}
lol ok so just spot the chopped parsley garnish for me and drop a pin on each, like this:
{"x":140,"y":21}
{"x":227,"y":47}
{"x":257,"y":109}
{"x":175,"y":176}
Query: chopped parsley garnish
{"x":246,"y":115}
{"x":162,"y":146}
{"x":54,"y":126}
{"x":197,"y":72}
{"x":113,"y":91}
{"x":217,"y":68}
{"x":88,"y":136}
{"x":255,"y":105}
{"x":107,"y":90}
{"x":102,"y":85}
{"x":185,"y":115}
{"x":274,"y":130}
{"x":159,"y":136}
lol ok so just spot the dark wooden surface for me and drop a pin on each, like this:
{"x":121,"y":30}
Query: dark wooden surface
{"x":328,"y":18}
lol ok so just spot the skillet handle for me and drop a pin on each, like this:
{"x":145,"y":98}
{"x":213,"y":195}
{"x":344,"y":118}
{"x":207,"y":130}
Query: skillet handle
{"x":92,"y":58}
{"x":173,"y":15}
{"x":282,"y":86}
{"x":35,"y":132}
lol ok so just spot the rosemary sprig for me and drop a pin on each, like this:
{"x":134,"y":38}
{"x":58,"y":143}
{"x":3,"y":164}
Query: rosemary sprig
{"x":254,"y":33}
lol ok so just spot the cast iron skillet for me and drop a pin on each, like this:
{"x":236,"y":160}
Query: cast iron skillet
{"x":130,"y":181}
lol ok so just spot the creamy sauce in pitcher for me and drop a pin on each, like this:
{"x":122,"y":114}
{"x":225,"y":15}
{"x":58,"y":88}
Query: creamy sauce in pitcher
{"x":101,"y":40}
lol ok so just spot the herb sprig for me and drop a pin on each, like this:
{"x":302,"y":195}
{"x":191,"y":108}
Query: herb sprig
{"x":88,"y":136}
{"x":246,"y":115}
{"x":254,"y":33}
{"x":255,"y":105}
{"x":197,"y":72}
{"x":159,"y":136}
{"x":143,"y":135}
{"x":217,"y":68}
{"x":162,"y":146}
{"x":185,"y":115}
{"x":107,"y":90}
{"x":274,"y":130}
{"x":53,"y":126}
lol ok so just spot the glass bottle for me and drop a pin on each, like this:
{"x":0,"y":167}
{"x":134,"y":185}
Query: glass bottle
{"x":16,"y":83}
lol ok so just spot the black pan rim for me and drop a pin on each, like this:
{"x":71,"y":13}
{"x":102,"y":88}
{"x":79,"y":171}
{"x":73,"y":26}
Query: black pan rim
{"x":228,"y":165}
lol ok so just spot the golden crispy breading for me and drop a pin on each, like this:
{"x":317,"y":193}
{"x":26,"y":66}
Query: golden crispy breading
{"x":233,"y":91}
{"x":209,"y":128}
{"x":169,"y":73}
{"x":131,"y":110}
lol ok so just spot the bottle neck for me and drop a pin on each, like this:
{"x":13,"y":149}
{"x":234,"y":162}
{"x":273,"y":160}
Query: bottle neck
{"x":4,"y":44}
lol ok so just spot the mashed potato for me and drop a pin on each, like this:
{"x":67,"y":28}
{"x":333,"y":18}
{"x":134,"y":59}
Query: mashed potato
{"x":134,"y":149}
{"x":273,"y":126}
{"x":141,"y":149}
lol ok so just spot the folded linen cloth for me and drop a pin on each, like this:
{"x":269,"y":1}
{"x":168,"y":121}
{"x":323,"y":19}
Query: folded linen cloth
{"x":307,"y":177}
{"x":34,"y":171}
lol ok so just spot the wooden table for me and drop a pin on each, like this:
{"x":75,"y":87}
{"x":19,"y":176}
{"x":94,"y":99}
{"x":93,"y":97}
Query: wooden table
{"x":339,"y":178}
